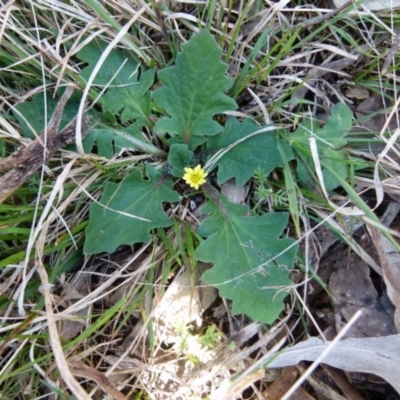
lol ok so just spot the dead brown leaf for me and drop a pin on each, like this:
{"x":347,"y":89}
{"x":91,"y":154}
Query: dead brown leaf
{"x":234,"y":193}
{"x":379,"y":356}
{"x":353,"y":290}
{"x":301,"y":394}
{"x":390,"y":262}
{"x":342,"y":382}
{"x":282,"y":384}
{"x":374,"y":105}
{"x":69,"y":328}
{"x":323,"y":390}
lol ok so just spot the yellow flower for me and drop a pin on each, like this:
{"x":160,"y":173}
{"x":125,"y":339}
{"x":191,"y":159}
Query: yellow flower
{"x":194,"y":177}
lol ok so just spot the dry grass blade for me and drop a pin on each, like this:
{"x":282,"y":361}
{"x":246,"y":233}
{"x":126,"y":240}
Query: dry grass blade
{"x":55,"y":343}
{"x":391,"y":54}
{"x":80,"y":134}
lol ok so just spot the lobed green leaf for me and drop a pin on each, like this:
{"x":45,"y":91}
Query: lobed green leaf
{"x":251,"y":262}
{"x":250,"y":152}
{"x":111,"y":140}
{"x":31,"y":115}
{"x":127,"y":90}
{"x":193,"y":90}
{"x":128,"y":211}
{"x":329,"y":139}
{"x":331,"y":135}
{"x":179,"y":157}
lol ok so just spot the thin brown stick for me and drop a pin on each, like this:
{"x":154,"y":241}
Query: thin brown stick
{"x":100,"y":379}
{"x":34,"y":156}
{"x":23,"y":154}
{"x":26,"y":161}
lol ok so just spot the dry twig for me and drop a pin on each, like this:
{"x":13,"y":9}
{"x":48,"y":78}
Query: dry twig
{"x":24,"y":162}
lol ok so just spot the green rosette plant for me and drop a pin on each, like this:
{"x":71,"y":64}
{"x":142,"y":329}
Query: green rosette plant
{"x":251,"y":254}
